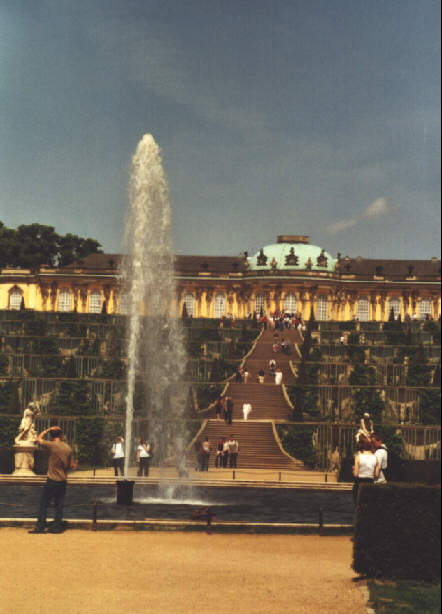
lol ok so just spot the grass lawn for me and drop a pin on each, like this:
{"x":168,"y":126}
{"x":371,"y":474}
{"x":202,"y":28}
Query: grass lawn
{"x":404,"y":597}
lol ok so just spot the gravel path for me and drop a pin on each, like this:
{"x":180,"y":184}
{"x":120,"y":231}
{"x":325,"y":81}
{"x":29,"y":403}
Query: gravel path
{"x":118,"y":572}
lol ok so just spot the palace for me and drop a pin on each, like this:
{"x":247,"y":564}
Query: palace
{"x":290,"y":275}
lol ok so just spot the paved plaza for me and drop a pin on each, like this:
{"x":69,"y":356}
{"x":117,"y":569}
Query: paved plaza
{"x":82,"y":572}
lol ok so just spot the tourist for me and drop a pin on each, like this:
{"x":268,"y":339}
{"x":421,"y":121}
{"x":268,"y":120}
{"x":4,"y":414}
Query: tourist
{"x":261,"y":376}
{"x":272,"y":367}
{"x":245,"y":375}
{"x":60,"y":462}
{"x":219,"y":452}
{"x":206,"y":449}
{"x":228,"y":410}
{"x":218,"y":408}
{"x":246,"y":410}
{"x":275,"y":347}
{"x":225,"y":452}
{"x":278,"y":376}
{"x":143,"y":458}
{"x":381,"y":453}
{"x":233,"y":451}
{"x":118,"y":455}
{"x":366,"y":467}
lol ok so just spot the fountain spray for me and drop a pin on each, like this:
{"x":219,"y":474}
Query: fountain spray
{"x":156,"y":356}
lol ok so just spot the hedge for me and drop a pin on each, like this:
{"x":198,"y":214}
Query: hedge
{"x":397,"y":532}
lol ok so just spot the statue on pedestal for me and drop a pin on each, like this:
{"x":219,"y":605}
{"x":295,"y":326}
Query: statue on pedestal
{"x":25,"y":445}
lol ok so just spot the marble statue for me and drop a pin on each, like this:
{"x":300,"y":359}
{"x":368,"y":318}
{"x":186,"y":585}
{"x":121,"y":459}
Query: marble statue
{"x":366,"y":428}
{"x":26,"y":431}
{"x":25,"y":442}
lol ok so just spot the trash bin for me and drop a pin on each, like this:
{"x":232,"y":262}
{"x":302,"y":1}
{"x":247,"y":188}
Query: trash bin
{"x":125,"y":492}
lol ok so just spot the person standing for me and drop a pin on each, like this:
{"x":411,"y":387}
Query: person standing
{"x":143,"y":458}
{"x":225,"y":452}
{"x":118,"y":455}
{"x":246,"y":410}
{"x":233,"y":451}
{"x":219,"y":453}
{"x":366,"y":467}
{"x":218,"y":408}
{"x":229,"y":410}
{"x":60,"y":462}
{"x":206,"y":449}
{"x":381,"y":454}
{"x":278,"y":377}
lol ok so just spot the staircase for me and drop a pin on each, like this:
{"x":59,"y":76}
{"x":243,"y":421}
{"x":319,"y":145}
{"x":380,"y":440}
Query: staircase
{"x":258,"y":448}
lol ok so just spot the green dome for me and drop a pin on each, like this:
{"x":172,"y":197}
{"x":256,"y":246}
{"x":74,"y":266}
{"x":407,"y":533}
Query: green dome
{"x":292,"y":257}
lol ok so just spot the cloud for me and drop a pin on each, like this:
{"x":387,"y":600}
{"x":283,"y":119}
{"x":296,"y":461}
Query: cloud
{"x":340,"y":226}
{"x":378,"y":207}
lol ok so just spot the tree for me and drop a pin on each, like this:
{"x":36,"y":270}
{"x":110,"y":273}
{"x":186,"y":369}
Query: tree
{"x":32,"y":245}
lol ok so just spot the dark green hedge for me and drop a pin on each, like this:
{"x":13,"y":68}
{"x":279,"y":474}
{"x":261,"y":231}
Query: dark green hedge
{"x":397,"y":532}
{"x":298,"y":442}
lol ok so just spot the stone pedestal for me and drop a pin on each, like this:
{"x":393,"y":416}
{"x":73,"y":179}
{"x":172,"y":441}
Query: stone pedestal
{"x":24,"y":458}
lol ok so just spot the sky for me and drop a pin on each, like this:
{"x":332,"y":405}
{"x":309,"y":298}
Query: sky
{"x":312,"y":117}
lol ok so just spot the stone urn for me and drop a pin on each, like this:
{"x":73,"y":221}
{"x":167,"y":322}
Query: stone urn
{"x":24,"y":458}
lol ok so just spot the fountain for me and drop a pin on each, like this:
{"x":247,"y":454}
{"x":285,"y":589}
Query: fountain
{"x":155,"y":352}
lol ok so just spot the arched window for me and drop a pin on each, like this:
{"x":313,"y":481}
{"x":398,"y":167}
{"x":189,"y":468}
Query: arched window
{"x":259,"y":303}
{"x":322,"y":307}
{"x":424,"y":308}
{"x":189,"y":301}
{"x":65,"y":300}
{"x":290,"y":303}
{"x":219,"y":308}
{"x":395,"y":304}
{"x":363,"y":310}
{"x":15,"y":296}
{"x":95,"y":302}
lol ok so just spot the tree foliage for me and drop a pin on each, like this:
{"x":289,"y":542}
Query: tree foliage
{"x":31,"y":245}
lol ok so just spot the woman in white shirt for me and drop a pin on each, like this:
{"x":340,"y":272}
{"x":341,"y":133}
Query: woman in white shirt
{"x":143,"y":458}
{"x":366,"y":467}
{"x":118,"y":456}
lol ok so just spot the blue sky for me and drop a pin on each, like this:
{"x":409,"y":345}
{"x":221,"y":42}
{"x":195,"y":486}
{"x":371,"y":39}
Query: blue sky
{"x":317,"y":117}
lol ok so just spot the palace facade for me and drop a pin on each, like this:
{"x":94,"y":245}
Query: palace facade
{"x":290,"y":275}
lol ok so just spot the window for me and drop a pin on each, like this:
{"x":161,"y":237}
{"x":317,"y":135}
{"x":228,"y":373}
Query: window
{"x":322,"y":308}
{"x":64,"y":300}
{"x":189,"y":301}
{"x":363,"y":310}
{"x":259,"y":303}
{"x":424,"y":308}
{"x":395,"y":304}
{"x":290,"y":303}
{"x":219,"y":309}
{"x":95,"y":302}
{"x":15,"y":297}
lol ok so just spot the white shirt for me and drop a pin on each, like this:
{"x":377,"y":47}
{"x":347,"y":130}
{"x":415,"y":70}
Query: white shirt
{"x":382,"y":456}
{"x":367,"y":465}
{"x":278,"y":378}
{"x":143,"y":452}
{"x":118,"y":450}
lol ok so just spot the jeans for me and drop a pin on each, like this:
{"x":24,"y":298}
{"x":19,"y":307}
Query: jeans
{"x":233,"y":459}
{"x":118,"y":463}
{"x":52,"y":490}
{"x":143,"y":468}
